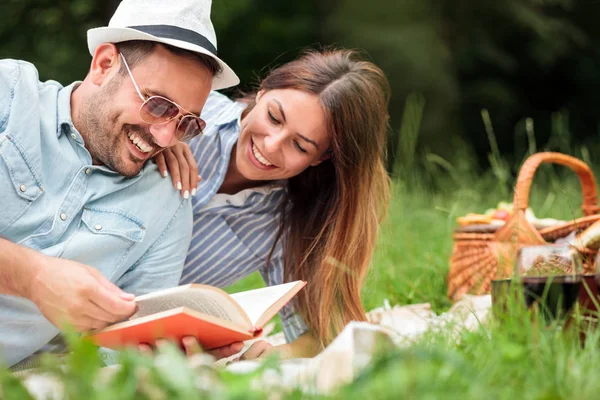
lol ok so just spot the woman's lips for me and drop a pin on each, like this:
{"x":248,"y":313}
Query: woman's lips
{"x":255,"y":160}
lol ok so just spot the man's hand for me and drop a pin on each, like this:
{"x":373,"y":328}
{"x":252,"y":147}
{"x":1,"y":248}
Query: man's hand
{"x":191,"y":346}
{"x":67,"y":292}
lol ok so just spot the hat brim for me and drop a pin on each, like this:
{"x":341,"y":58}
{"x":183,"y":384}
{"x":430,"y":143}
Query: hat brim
{"x":97,"y":36}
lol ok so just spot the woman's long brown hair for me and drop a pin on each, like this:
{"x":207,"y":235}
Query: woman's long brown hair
{"x":330,"y":219}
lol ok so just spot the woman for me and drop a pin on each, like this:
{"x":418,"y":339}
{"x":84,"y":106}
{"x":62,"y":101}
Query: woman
{"x":294,"y":186}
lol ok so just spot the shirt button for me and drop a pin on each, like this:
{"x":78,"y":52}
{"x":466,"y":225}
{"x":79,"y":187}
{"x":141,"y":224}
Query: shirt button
{"x":23,"y":188}
{"x":98,"y":227}
{"x":63,"y":216}
{"x":74,"y":136}
{"x":88,"y":171}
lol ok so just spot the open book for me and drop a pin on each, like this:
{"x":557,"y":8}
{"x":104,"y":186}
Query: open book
{"x":208,"y":313}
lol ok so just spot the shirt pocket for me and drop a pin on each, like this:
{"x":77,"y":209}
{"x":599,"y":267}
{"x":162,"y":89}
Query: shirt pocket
{"x":18,"y":184}
{"x":104,"y":239}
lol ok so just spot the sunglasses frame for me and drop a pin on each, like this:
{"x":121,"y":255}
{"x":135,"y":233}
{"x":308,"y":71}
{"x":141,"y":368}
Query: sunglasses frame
{"x":182,"y":112}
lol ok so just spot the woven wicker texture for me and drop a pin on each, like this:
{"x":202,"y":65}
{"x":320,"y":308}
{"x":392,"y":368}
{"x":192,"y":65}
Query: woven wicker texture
{"x":478,"y":258}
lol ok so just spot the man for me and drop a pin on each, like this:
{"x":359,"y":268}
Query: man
{"x":86,"y":222}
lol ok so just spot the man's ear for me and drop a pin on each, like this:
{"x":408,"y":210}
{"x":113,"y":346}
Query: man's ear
{"x":105,"y":63}
{"x":259,"y":94}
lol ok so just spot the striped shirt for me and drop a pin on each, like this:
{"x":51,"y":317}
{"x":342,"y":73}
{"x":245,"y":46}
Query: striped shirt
{"x":233,"y":234}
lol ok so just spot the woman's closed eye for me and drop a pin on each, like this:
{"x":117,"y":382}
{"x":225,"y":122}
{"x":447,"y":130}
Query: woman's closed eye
{"x":272,"y":118}
{"x":275,"y":121}
{"x":300,"y":148}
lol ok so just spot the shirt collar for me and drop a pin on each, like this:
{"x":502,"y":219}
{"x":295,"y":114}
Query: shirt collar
{"x":231,"y":112}
{"x":64,"y":107}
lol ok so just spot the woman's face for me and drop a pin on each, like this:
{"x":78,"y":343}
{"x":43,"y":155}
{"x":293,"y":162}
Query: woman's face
{"x":283,"y":135}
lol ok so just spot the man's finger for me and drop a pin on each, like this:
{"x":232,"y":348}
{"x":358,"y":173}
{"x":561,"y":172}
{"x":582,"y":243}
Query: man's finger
{"x":84,"y":323}
{"x":111,"y":287}
{"x":161,"y":342}
{"x":226,"y":351}
{"x":191,"y":345}
{"x":145,"y":349}
{"x":97,"y":313}
{"x":112,"y":303}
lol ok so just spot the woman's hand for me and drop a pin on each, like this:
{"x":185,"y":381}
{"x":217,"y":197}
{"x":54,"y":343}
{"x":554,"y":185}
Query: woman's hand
{"x":259,"y":349}
{"x":179,"y":161}
{"x":305,"y":346}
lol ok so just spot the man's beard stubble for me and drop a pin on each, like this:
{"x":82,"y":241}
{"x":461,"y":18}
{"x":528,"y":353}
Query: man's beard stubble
{"x":97,"y":128}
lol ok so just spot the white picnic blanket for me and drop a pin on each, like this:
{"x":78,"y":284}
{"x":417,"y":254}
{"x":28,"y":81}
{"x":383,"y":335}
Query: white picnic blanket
{"x":345,"y":357}
{"x":356,"y":345}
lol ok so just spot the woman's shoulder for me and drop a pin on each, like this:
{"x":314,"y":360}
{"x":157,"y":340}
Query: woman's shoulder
{"x":261,"y":202}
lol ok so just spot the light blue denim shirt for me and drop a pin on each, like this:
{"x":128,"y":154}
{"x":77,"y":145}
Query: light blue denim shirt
{"x":135,"y":231}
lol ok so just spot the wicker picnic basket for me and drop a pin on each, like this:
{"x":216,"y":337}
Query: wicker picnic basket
{"x":481,"y":254}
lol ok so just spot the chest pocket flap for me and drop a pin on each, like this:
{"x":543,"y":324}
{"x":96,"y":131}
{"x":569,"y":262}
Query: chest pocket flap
{"x":19,"y":171}
{"x":113,"y":222}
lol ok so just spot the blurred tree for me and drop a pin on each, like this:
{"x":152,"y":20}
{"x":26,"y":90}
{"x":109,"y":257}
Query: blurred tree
{"x":515,"y":58}
{"x":262,"y":34}
{"x":518,"y":59}
{"x":51,"y":34}
{"x":405,"y":39}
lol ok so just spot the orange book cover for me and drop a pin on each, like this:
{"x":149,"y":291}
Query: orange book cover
{"x":175,"y":325}
{"x":211,"y":315}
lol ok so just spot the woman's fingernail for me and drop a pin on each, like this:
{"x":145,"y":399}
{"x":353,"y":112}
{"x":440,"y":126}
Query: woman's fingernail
{"x":194,"y":191}
{"x":199,"y":178}
{"x":186,"y":195}
{"x":179,"y":186}
{"x":165,"y":174}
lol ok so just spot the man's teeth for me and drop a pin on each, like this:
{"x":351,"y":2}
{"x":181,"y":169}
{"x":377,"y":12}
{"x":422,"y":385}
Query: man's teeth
{"x":259,"y":156}
{"x":139,"y":143}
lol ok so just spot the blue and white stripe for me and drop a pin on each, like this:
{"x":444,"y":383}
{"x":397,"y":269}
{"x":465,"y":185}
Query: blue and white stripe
{"x":233,"y":234}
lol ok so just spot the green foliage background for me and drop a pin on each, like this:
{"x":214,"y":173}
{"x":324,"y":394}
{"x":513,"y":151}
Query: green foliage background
{"x":516,"y":58}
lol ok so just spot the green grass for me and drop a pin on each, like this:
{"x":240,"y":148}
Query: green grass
{"x":518,"y":358}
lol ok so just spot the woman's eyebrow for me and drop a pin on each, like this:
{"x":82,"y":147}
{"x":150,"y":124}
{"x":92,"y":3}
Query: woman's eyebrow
{"x":308,"y":140}
{"x":284,"y":120}
{"x":280,"y":109}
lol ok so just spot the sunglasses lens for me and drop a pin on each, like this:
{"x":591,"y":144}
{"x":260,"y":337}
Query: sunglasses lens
{"x":158,"y":109}
{"x":190,"y":126}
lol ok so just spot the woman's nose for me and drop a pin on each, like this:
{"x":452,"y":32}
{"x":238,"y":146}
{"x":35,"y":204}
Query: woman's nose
{"x":273,"y":142}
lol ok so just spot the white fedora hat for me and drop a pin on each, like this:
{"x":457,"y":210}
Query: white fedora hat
{"x":181,"y":23}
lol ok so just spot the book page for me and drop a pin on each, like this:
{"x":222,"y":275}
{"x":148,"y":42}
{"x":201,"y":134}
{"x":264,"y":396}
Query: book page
{"x":257,"y":302}
{"x":206,"y":301}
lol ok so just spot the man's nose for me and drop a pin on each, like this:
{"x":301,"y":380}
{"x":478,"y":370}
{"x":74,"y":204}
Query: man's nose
{"x":164,"y":134}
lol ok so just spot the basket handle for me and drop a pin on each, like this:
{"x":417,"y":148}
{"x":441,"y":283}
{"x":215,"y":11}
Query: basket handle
{"x":529,"y":168}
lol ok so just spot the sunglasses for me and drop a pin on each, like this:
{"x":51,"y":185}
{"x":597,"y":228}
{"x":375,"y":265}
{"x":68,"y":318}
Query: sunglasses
{"x":160,"y":110}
